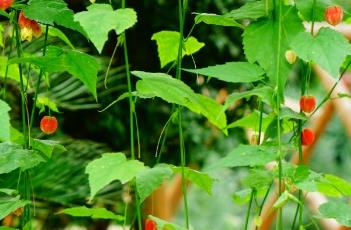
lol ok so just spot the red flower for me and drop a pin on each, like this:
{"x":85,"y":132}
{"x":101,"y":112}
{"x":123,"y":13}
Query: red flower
{"x":29,"y":28}
{"x":48,"y":124}
{"x":333,"y":15}
{"x":5,"y":4}
{"x":307,"y":137}
{"x":307,"y":103}
{"x":150,"y":225}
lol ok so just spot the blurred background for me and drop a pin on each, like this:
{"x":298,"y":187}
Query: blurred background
{"x":86,"y":132}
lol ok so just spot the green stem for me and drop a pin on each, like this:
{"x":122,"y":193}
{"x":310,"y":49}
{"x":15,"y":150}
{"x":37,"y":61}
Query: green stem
{"x":37,"y":87}
{"x":326,"y":98}
{"x":280,"y":160}
{"x":131,"y":113}
{"x":253,"y":192}
{"x":23,"y":97}
{"x":130,"y":98}
{"x":181,"y":13}
{"x":7,"y":65}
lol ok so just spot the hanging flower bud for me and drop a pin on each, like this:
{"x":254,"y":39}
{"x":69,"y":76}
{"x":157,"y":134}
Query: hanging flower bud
{"x":290,"y":56}
{"x":29,"y":28}
{"x":5,"y":4}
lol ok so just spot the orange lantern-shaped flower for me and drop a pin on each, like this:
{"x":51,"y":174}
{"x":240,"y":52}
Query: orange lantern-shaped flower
{"x":29,"y":28}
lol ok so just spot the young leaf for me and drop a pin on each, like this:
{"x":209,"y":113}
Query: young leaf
{"x":232,"y":72}
{"x":13,"y":157}
{"x":50,"y":12}
{"x":150,"y":179}
{"x":94,"y":213}
{"x":111,"y":167}
{"x":80,"y":65}
{"x":252,"y":121}
{"x":4,"y":121}
{"x":215,"y":19}
{"x":100,"y":19}
{"x":265,"y":93}
{"x":175,"y":91}
{"x":284,"y":198}
{"x":262,"y":39}
{"x":162,"y":224}
{"x":168,"y":46}
{"x":43,"y":101}
{"x":203,"y":180}
{"x":318,"y":49}
{"x":7,"y":206}
{"x":251,"y":10}
{"x":340,"y":211}
{"x":246,"y":155}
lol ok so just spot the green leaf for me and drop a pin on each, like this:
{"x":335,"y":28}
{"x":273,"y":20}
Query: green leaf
{"x":162,"y":224}
{"x":7,"y":206}
{"x":50,"y":12}
{"x":251,"y":10}
{"x":54,"y":32}
{"x":232,"y":72}
{"x":175,"y":91}
{"x":287,"y":113}
{"x":94,"y":213}
{"x":252,"y":121}
{"x":12,"y":71}
{"x":80,"y":65}
{"x":100,"y":19}
{"x":111,"y":167}
{"x":14,"y":156}
{"x":315,"y":8}
{"x":215,"y":19}
{"x":261,"y":40}
{"x":168,"y":46}
{"x":43,"y":101}
{"x":340,"y":211}
{"x":7,"y":191}
{"x":258,"y":178}
{"x":319,"y":49}
{"x":203,"y":180}
{"x":7,"y":228}
{"x":331,"y":185}
{"x":4,"y":121}
{"x":284,"y":198}
{"x":265,"y":93}
{"x":247,"y":155}
{"x":243,"y":196}
{"x":150,"y":179}
{"x":47,"y":146}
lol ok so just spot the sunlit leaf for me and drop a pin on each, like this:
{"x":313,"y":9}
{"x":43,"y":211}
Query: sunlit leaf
{"x":100,"y":19}
{"x":215,"y":19}
{"x":168,"y":46}
{"x":175,"y":91}
{"x":318,"y":49}
{"x":94,"y":213}
{"x":232,"y":72}
{"x":111,"y":167}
